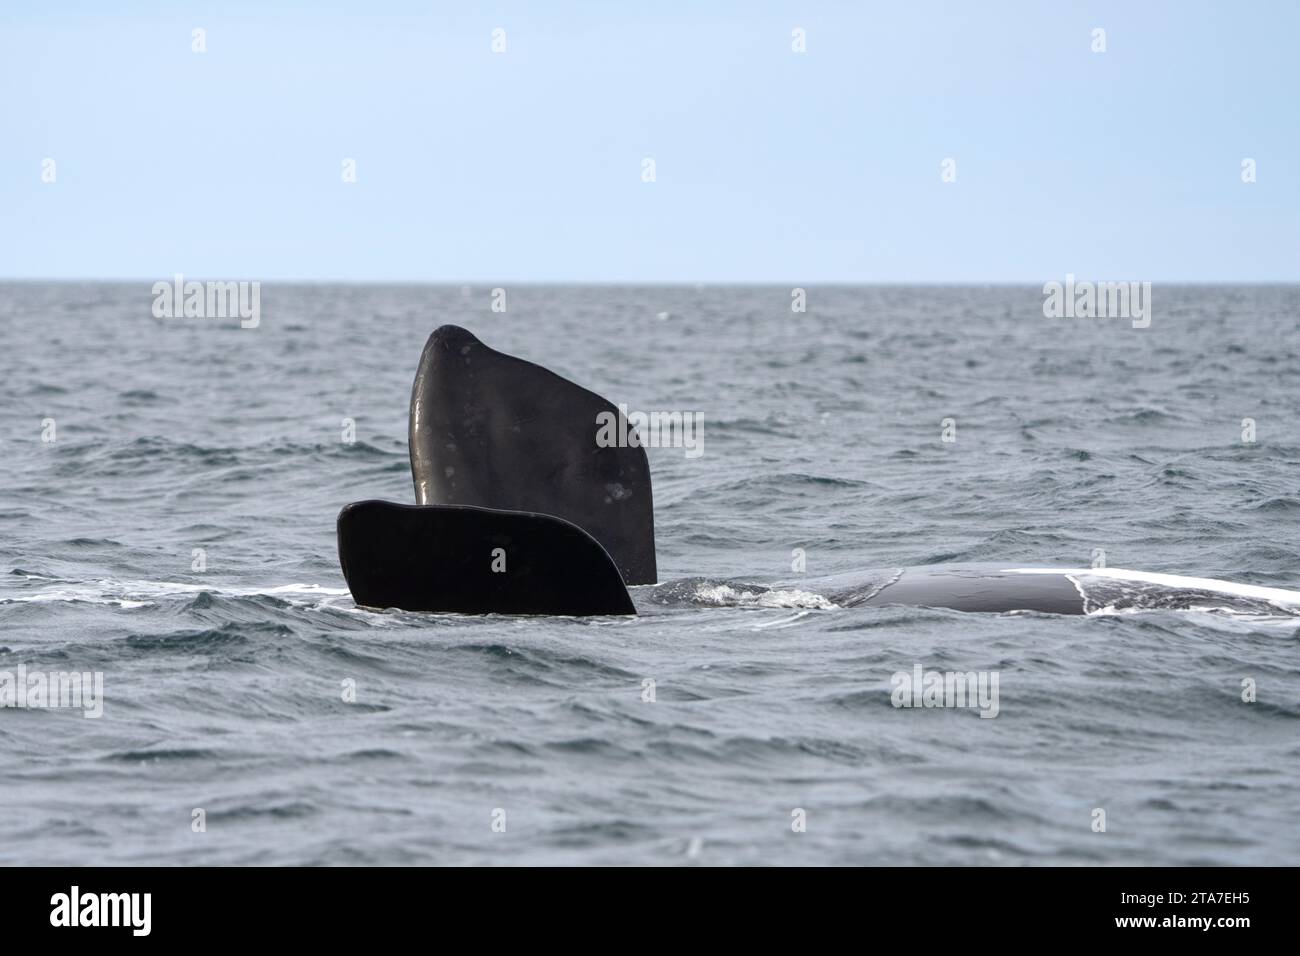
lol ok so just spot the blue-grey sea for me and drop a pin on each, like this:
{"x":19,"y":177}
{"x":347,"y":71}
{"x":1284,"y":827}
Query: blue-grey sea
{"x":169,"y":495}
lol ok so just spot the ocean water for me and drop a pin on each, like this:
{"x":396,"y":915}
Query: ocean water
{"x":223,"y":689}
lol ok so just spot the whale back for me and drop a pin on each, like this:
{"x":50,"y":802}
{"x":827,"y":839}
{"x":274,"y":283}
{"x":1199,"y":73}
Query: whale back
{"x":488,"y":430}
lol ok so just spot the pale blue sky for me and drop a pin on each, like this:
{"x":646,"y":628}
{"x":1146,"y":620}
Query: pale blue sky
{"x":771,"y":165}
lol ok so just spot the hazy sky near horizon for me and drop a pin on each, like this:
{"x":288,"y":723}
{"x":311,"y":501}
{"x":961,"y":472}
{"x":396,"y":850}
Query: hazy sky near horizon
{"x":770,"y":165}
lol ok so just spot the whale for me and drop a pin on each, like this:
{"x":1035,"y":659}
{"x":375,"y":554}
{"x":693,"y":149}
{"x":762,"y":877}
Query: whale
{"x":520,"y":509}
{"x":1010,"y":588}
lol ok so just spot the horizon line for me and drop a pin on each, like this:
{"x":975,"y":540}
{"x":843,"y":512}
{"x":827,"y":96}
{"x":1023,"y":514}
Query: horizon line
{"x":673,"y":283}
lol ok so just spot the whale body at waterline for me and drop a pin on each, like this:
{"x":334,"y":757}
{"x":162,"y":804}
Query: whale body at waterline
{"x":993,"y":588}
{"x":520,"y":509}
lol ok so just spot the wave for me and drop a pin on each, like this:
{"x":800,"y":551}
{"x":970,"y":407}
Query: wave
{"x":137,"y":594}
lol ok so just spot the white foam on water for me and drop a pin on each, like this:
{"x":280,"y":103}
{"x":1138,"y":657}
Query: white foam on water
{"x":724,"y":595}
{"x":783,"y":622}
{"x":73,"y":594}
{"x":137,"y":594}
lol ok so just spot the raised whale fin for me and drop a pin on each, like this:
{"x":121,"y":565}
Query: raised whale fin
{"x":474,"y":561}
{"x":489,"y":430}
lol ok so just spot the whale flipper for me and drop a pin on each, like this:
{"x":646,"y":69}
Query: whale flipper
{"x":474,"y":561}
{"x":520,"y":510}
{"x":489,"y":430}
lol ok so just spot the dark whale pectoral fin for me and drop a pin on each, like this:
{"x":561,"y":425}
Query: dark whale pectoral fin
{"x":475,"y":561}
{"x":489,"y":430}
